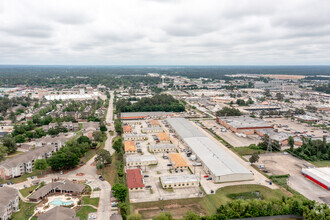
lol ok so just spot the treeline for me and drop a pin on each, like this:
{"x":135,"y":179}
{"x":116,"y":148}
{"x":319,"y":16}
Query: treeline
{"x":162,"y":102}
{"x":294,"y":206}
{"x":313,"y":150}
{"x":6,"y":103}
{"x":226,"y":111}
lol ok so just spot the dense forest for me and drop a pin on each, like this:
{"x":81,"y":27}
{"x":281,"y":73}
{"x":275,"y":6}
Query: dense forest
{"x":161,"y":102}
{"x":323,"y":88}
{"x":108,"y":75}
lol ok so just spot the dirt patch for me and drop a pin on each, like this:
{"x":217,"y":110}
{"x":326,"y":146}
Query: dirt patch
{"x":177,"y":211}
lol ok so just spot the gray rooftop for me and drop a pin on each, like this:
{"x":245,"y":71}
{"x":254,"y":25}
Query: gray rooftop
{"x":144,"y":114}
{"x":59,"y":213}
{"x":178,"y":179}
{"x":218,"y":161}
{"x":7,"y":194}
{"x":161,"y":146}
{"x":244,"y":121}
{"x":141,"y":158}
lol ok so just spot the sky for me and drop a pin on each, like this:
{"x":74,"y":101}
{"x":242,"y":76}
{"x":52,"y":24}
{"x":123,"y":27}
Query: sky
{"x":165,"y":32}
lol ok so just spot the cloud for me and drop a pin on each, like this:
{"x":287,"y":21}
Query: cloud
{"x":164,"y":32}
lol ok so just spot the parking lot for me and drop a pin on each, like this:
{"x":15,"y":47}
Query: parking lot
{"x":229,"y":136}
{"x":281,"y":164}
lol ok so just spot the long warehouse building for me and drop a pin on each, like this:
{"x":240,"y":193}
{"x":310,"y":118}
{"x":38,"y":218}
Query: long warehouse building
{"x":221,"y":166}
{"x":320,"y":176}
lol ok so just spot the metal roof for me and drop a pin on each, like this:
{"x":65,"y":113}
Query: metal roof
{"x":140,"y":158}
{"x":178,"y":179}
{"x":321,"y":174}
{"x":161,"y":146}
{"x":218,"y":161}
{"x":244,"y":121}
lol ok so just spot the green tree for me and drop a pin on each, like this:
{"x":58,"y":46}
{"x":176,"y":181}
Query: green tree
{"x":40,"y":164}
{"x":118,"y":145}
{"x":10,"y":144}
{"x":191,"y":216}
{"x":3,"y":152}
{"x":226,"y":111}
{"x":254,"y":158}
{"x":20,"y":138}
{"x":84,"y":139}
{"x":291,"y":143}
{"x":164,"y":216}
{"x":279,"y":96}
{"x":134,"y":217}
{"x":120,"y":192}
{"x":99,"y":136}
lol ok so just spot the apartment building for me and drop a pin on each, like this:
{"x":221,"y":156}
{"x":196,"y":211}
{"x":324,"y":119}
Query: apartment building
{"x":9,"y":202}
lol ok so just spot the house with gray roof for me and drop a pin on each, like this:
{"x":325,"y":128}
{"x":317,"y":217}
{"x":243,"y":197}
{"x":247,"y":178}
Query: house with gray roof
{"x":59,"y":213}
{"x":61,"y":187}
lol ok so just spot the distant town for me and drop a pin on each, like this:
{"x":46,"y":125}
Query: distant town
{"x":163,"y":145}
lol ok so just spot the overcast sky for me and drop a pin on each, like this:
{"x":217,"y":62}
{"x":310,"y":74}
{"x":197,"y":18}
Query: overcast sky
{"x":164,"y":32}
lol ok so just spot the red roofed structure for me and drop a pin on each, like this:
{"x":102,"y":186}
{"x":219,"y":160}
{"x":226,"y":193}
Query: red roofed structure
{"x":134,"y":179}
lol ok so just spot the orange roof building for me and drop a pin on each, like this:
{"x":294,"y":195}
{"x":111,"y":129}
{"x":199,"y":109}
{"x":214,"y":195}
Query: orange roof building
{"x":127,"y":129}
{"x":163,"y":137}
{"x":178,"y":161}
{"x":154,"y":123}
{"x":130,"y":147}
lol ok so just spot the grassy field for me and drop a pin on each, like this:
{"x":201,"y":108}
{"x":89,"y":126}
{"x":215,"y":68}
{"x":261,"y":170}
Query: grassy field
{"x":208,"y":204}
{"x":26,"y":211}
{"x":84,"y":211}
{"x":246,"y":151}
{"x":91,"y":153}
{"x":110,"y":172}
{"x":25,"y":192}
{"x":23,"y":177}
{"x":323,"y":163}
{"x":91,"y":201}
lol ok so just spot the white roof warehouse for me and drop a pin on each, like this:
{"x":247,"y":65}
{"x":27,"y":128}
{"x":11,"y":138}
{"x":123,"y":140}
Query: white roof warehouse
{"x":215,"y":160}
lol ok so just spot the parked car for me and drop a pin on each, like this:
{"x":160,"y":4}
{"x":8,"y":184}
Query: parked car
{"x":209,"y":178}
{"x":148,"y":187}
{"x":114,"y":204}
{"x":169,"y":164}
{"x":1,"y":185}
{"x":146,"y":176}
{"x":206,"y":176}
{"x":101,"y":178}
{"x":181,"y":170}
{"x":165,"y":157}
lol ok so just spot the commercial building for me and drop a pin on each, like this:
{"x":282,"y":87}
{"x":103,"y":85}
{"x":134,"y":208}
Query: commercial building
{"x":134,"y":179}
{"x":9,"y":202}
{"x":219,"y":164}
{"x":320,"y":176}
{"x":162,"y":148}
{"x":154,"y":123}
{"x":141,"y":160}
{"x":145,"y":115}
{"x":179,"y":181}
{"x":130,"y":147}
{"x":135,"y":137}
{"x":152,"y":130}
{"x":281,"y":137}
{"x":59,"y":213}
{"x":178,"y":161}
{"x":307,"y":118}
{"x":163,"y":137}
{"x":243,"y":124}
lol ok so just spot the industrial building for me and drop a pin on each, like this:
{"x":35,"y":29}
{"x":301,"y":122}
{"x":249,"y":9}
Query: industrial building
{"x":178,"y":161}
{"x":152,"y":130}
{"x":162,"y":148}
{"x":127,"y":129}
{"x":134,"y":179}
{"x":145,"y":115}
{"x":179,"y":181}
{"x":130,"y":147}
{"x":220,"y":165}
{"x":163,"y":137}
{"x":135,"y":137}
{"x":141,"y":160}
{"x":320,"y":176}
{"x":243,"y":124}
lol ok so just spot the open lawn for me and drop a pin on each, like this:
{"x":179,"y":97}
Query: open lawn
{"x":26,"y":210}
{"x":91,"y":201}
{"x":84,"y":211}
{"x":321,"y":163}
{"x":25,"y":192}
{"x":242,"y":151}
{"x":24,"y":177}
{"x":208,"y":204}
{"x":91,"y":153}
{"x":110,"y":172}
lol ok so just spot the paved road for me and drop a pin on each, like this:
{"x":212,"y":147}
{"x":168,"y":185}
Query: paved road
{"x":104,"y":209}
